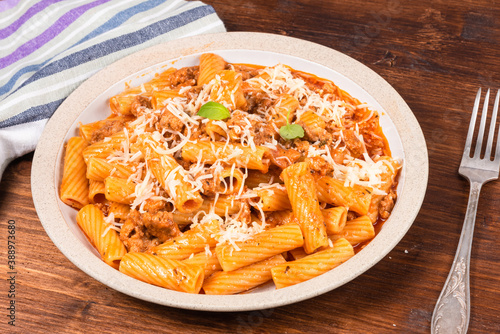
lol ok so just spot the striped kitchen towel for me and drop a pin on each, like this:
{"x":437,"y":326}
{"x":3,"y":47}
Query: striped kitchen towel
{"x":49,"y":47}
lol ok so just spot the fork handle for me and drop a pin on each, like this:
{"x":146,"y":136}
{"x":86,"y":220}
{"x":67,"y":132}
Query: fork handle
{"x":452,"y":311}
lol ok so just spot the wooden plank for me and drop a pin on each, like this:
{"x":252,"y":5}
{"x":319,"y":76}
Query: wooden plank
{"x":436,"y":55}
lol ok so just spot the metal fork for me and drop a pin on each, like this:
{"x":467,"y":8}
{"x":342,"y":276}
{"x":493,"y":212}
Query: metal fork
{"x":452,"y":311}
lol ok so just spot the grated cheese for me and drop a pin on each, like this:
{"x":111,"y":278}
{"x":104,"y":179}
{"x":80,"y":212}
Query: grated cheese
{"x":112,"y":225}
{"x":272,"y":83}
{"x":234,"y":230}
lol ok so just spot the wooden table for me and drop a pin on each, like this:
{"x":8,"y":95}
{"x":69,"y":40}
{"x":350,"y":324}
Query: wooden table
{"x":435,"y":54}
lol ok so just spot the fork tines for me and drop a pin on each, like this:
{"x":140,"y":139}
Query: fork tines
{"x":482,"y":126}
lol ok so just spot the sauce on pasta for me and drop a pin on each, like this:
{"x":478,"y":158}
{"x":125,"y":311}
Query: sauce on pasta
{"x":280,"y":162}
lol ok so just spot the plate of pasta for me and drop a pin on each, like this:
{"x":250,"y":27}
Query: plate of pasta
{"x":230,"y":172}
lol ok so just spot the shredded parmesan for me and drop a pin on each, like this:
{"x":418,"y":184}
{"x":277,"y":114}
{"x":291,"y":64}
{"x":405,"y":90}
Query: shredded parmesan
{"x":254,"y":127}
{"x":234,"y":230}
{"x":112,"y":224}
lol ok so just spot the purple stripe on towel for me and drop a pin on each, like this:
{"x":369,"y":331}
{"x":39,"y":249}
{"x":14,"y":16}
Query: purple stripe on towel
{"x":54,"y":30}
{"x":7,"y":4}
{"x":38,"y":7}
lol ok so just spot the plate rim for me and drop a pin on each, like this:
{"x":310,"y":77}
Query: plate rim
{"x":416,"y":163}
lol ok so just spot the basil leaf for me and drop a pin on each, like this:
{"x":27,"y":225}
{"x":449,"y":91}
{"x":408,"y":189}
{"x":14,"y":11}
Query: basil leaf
{"x":291,"y":131}
{"x":213,"y":110}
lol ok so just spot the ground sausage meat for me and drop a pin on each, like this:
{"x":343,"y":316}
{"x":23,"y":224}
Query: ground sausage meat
{"x":351,"y":215}
{"x":265,"y":134}
{"x":284,"y":157}
{"x":247,"y":72}
{"x":110,"y":127}
{"x":171,"y":122}
{"x":154,"y":206}
{"x":300,"y":145}
{"x":279,"y":218}
{"x":142,"y":231}
{"x":313,"y":133}
{"x":139,"y":104}
{"x":354,"y":145}
{"x":319,"y":166}
{"x":238,"y":122}
{"x":387,"y":204}
{"x":255,"y":100}
{"x":211,"y":185}
{"x":185,"y":76}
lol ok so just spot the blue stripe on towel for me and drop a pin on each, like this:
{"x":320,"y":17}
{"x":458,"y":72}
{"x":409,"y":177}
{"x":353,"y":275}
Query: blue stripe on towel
{"x":121,"y":17}
{"x":32,"y":114}
{"x":100,"y":50}
{"x":115,"y":21}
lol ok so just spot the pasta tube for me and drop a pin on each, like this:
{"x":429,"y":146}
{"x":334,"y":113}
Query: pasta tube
{"x":119,"y":210}
{"x":261,"y":246}
{"x":255,"y":178}
{"x":274,"y":198}
{"x":96,"y":191}
{"x":207,"y":260}
{"x":104,"y":149}
{"x":283,"y":110}
{"x":356,"y":231}
{"x":210,"y":65}
{"x":227,"y":90}
{"x":243,"y":279}
{"x":106,"y":241}
{"x":333,"y":191}
{"x":172,"y":177}
{"x":98,"y":169}
{"x":167,"y":273}
{"x":121,"y":103}
{"x":335,"y":219}
{"x":190,"y":242}
{"x":223,"y":204}
{"x":312,"y":265}
{"x":242,"y":156}
{"x":159,"y":98}
{"x":75,"y":186}
{"x":119,"y":190}
{"x":301,"y":190}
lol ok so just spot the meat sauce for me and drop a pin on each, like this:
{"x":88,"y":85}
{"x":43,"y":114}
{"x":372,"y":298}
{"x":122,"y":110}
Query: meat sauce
{"x":143,"y":231}
{"x":154,"y":225}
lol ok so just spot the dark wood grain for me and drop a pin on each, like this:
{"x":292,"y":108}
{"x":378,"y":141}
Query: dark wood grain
{"x":435,"y":54}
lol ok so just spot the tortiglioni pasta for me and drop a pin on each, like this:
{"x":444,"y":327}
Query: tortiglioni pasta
{"x":279,"y":177}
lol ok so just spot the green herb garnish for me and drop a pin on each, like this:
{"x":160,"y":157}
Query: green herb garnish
{"x":213,"y":110}
{"x":291,"y":131}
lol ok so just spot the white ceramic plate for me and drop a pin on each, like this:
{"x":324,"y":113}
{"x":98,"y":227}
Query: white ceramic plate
{"x":90,"y":102}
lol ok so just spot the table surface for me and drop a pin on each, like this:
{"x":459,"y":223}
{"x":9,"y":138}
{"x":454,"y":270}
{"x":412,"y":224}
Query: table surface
{"x":435,"y":54}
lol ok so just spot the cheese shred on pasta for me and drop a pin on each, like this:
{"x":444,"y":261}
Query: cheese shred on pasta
{"x":168,"y":173}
